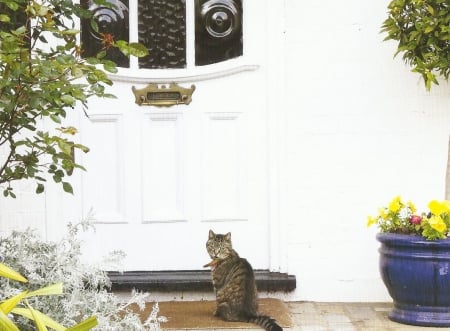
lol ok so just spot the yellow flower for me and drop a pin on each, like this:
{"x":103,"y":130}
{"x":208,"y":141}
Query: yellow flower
{"x":439,"y":207}
{"x":382,"y":212}
{"x":412,"y":207}
{"x":437,"y":223}
{"x":396,"y":204}
{"x":371,"y":221}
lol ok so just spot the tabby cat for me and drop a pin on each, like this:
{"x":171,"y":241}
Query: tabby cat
{"x":234,"y":284}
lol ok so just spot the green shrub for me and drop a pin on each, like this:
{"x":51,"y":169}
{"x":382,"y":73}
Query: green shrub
{"x":43,"y":76}
{"x":422,"y":29}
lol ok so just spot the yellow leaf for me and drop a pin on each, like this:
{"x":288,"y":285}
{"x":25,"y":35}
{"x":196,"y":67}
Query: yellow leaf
{"x":37,"y":320}
{"x":6,"y":324}
{"x":69,"y":130}
{"x":11,"y":274}
{"x":53,"y":289}
{"x":8,"y":305}
{"x":52,"y":324}
{"x":87,"y":324}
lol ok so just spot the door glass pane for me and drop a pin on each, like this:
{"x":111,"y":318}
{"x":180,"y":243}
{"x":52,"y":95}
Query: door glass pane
{"x":162,"y":28}
{"x":218,"y":30}
{"x":113,"y":24}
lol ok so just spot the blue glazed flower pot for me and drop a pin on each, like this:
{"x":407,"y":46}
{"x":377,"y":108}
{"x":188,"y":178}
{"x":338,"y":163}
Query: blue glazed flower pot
{"x":416,"y":273}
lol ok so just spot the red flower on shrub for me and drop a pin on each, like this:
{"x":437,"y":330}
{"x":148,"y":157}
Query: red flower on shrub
{"x":415,"y":219}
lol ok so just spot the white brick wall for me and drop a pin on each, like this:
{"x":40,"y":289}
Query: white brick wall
{"x":360,"y":129}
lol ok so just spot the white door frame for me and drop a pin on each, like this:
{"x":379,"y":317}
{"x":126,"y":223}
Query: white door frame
{"x":275,"y":101}
{"x":276,"y":71}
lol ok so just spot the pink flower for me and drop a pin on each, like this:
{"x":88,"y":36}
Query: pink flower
{"x":415,"y":219}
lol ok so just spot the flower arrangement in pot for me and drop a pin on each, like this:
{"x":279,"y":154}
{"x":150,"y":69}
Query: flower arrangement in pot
{"x":415,"y":260}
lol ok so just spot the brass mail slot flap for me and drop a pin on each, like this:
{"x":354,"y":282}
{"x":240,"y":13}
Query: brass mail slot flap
{"x":163,"y":95}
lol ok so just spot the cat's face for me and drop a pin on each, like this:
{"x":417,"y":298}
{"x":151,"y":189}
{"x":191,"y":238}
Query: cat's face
{"x":219,"y":245}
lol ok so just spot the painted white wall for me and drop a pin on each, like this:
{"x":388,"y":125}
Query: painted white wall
{"x":350,"y":128}
{"x":360,"y":129}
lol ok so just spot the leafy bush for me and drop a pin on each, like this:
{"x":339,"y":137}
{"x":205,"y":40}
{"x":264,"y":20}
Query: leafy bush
{"x":422,"y":29}
{"x":86,"y":291}
{"x":43,"y":75}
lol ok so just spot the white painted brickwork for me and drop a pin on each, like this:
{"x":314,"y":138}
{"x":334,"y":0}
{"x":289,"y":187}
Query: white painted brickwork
{"x":350,"y":127}
{"x":360,"y":129}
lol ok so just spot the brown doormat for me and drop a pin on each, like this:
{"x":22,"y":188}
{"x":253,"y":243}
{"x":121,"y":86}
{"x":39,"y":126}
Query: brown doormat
{"x":199,"y":315}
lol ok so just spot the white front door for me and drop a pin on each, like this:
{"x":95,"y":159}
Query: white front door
{"x":159,"y":178}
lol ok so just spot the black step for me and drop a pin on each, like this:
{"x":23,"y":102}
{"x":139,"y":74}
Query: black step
{"x":192,"y":280}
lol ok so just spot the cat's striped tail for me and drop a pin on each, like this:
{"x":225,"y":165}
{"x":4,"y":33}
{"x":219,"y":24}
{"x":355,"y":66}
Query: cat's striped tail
{"x":266,"y":322}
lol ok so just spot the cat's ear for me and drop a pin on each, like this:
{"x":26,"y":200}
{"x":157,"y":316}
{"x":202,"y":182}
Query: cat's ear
{"x":228,"y":237}
{"x":211,"y":234}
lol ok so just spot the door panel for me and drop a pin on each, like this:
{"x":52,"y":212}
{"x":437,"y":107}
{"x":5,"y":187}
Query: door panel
{"x":162,"y":176}
{"x":223,"y":168}
{"x":103,"y":183}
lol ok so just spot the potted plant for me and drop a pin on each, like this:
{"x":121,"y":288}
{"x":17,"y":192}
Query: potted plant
{"x":415,"y":261}
{"x":422,"y":30}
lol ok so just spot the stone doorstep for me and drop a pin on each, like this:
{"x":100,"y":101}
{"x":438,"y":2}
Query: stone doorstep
{"x":198,"y":315}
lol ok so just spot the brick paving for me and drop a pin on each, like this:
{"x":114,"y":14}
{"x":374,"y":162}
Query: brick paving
{"x":317,"y":316}
{"x":304,"y":316}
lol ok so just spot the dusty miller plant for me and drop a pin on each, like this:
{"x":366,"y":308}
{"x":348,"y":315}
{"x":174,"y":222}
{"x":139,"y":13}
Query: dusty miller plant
{"x":86,"y":287}
{"x":43,"y":75}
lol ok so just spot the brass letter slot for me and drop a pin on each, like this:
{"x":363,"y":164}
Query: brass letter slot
{"x":163,"y":95}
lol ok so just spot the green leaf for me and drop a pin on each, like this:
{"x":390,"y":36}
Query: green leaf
{"x":40,"y":188}
{"x":12,"y":5}
{"x":138,"y":50}
{"x":83,"y":148}
{"x":55,"y":118}
{"x":65,"y":146}
{"x":134,"y":49}
{"x":4,"y":18}
{"x":68,"y":99}
{"x":110,"y":67}
{"x":94,"y":25}
{"x":67,"y":187}
{"x":70,"y":32}
{"x":76,"y":72}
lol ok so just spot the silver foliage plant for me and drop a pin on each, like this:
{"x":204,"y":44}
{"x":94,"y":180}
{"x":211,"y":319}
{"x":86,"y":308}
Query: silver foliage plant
{"x":86,"y":287}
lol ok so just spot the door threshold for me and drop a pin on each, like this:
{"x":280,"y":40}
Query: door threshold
{"x":192,"y":280}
